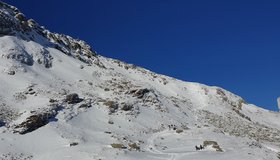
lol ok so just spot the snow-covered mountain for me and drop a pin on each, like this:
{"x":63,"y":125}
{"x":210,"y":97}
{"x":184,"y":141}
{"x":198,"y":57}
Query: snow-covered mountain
{"x":60,"y":100}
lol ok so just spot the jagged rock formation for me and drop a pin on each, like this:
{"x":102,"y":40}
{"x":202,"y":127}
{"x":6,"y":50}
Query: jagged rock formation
{"x":13,"y":22}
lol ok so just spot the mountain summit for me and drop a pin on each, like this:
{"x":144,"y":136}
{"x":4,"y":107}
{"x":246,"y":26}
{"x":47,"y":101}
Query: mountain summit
{"x":60,"y":100}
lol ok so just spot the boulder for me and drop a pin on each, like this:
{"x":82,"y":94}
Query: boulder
{"x":21,"y":17}
{"x":32,"y":123}
{"x":113,"y":106}
{"x":37,"y":119}
{"x":118,"y":145}
{"x":139,"y":93}
{"x":73,"y":98}
{"x":214,"y":145}
{"x":127,"y":107}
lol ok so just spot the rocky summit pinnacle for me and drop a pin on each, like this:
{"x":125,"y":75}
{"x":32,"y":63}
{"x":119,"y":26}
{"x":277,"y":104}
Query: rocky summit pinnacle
{"x":59,"y":100}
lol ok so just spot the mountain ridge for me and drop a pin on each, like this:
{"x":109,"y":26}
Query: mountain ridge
{"x":59,"y":99}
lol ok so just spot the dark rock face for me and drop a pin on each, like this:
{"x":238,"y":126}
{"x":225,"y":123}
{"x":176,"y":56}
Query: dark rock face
{"x":73,"y":98}
{"x":5,"y":25}
{"x":37,"y":119}
{"x":2,"y":123}
{"x":33,"y":122}
{"x":8,"y":23}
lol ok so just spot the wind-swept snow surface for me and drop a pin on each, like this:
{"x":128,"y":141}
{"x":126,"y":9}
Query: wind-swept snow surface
{"x":59,"y":100}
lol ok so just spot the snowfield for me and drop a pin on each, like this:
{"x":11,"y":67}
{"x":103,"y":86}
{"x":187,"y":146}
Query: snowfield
{"x":59,"y":100}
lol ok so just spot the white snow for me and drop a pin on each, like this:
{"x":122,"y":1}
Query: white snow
{"x":86,"y":133}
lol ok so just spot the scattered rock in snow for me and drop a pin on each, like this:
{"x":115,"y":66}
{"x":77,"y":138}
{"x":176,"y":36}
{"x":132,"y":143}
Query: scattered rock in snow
{"x":113,"y":106}
{"x":20,"y":96}
{"x":118,"y":145}
{"x":73,"y":144}
{"x":214,"y":145}
{"x":241,"y":114}
{"x":127,"y":107}
{"x":108,"y":132}
{"x":85,"y":105}
{"x":53,"y":100}
{"x":20,"y":55}
{"x":73,"y":98}
{"x":11,"y":72}
{"x":134,"y":146}
{"x":15,"y":156}
{"x":7,"y":114}
{"x":139,"y":93}
{"x":179,"y":130}
{"x":30,"y":91}
{"x":110,"y":122}
{"x":63,"y":91}
{"x":255,"y":144}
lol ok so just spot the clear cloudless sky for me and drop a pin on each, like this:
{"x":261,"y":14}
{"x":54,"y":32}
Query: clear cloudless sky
{"x":234,"y":44}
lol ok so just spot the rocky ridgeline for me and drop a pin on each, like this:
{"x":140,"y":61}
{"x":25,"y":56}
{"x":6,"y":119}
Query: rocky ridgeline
{"x":13,"y":22}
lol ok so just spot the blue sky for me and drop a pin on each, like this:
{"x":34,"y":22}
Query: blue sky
{"x":232,"y":44}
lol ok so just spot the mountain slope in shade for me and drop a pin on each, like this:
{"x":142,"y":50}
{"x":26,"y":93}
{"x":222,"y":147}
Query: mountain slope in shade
{"x":60,"y":100}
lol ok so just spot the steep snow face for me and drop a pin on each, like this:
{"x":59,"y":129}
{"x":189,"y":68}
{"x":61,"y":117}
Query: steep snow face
{"x":59,"y":100}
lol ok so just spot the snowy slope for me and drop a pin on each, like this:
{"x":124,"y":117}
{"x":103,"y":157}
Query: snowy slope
{"x":59,"y":100}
